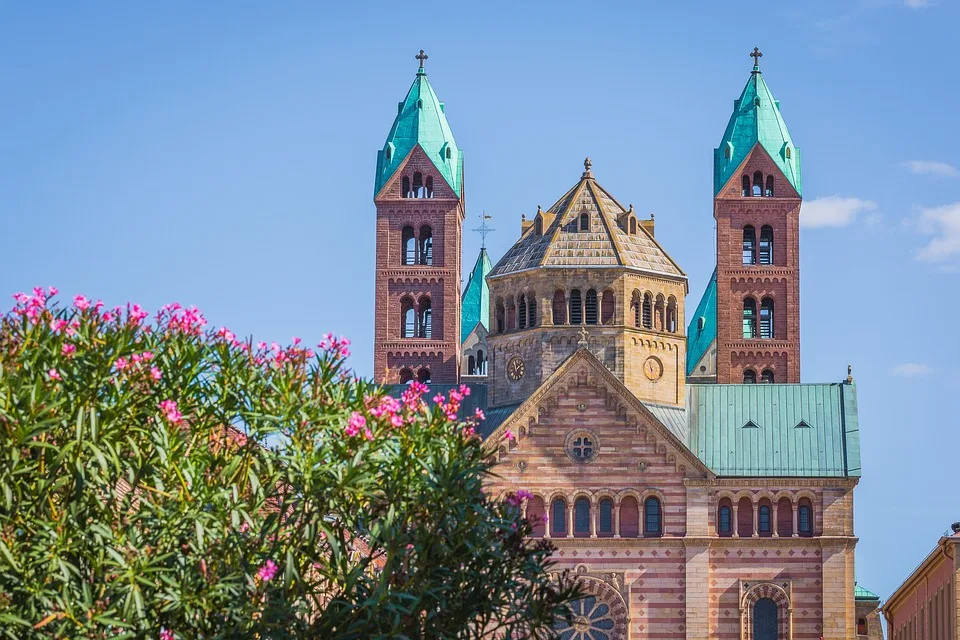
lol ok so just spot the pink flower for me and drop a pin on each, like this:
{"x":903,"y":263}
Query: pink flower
{"x":155,"y":373}
{"x":355,"y":424}
{"x":167,"y":634}
{"x":53,"y":291}
{"x":58,"y":325}
{"x":479,"y":414}
{"x":268,"y":571}
{"x":226,"y":334}
{"x":54,"y":374}
{"x":68,"y":349}
{"x":81,"y":303}
{"x":509,"y":435}
{"x":121,"y":363}
{"x":170,"y":411}
{"x":146,"y":355}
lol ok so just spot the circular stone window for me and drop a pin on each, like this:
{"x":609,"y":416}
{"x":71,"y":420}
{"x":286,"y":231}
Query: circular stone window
{"x":582,"y":445}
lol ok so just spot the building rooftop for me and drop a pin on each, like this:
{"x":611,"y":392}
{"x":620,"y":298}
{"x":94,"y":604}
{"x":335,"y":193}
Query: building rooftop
{"x":475,"y":302}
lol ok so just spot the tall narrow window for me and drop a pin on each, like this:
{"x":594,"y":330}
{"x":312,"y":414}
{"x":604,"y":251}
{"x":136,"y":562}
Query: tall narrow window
{"x":749,"y":318}
{"x":408,"y":319}
{"x":532,"y":310}
{"x":605,"y":524}
{"x":765,"y":620}
{"x":659,"y":311}
{"x":672,"y":315}
{"x":426,"y":318}
{"x":522,"y":309}
{"x":749,"y":245}
{"x":764,"y":520}
{"x":538,"y":226}
{"x":581,"y":517}
{"x":558,"y":517}
{"x":784,"y":518}
{"x":767,"y":377}
{"x":744,"y":522}
{"x":481,"y":364}
{"x":745,"y":191}
{"x":591,"y":306}
{"x":633,"y":226}
{"x":652,"y":517}
{"x":426,"y":245}
{"x":409,"y":243}
{"x":766,"y":318}
{"x":768,"y":192}
{"x":501,"y":316}
{"x":417,"y":185}
{"x":749,"y":376}
{"x":471,"y":366}
{"x":406,"y":375}
{"x":405,"y":187}
{"x":766,"y":244}
{"x":606,"y":307}
{"x":757,"y":183}
{"x":428,"y":187}
{"x":576,"y":307}
{"x":584,"y":222}
{"x":647,"y":311}
{"x":629,"y":518}
{"x":535,"y":515}
{"x":511,"y":314}
{"x":805,"y":518}
{"x":725,"y":518}
{"x":559,"y":307}
{"x":635,"y":307}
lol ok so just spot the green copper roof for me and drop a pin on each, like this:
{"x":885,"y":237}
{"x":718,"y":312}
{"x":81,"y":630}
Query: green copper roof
{"x":475,"y":302}
{"x":805,"y":430}
{"x":701,"y":334}
{"x":421,"y":120}
{"x":859,"y":593}
{"x":756,"y":119}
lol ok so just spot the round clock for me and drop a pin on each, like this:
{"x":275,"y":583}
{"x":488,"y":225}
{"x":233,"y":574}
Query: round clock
{"x":653,"y":368}
{"x":515,"y":368}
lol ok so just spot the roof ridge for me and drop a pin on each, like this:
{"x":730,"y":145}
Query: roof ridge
{"x":614,"y":241}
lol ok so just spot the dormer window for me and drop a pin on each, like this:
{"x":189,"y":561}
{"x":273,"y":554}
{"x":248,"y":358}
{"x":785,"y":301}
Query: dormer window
{"x":449,"y":153}
{"x":787,"y":152}
{"x":584,"y":222}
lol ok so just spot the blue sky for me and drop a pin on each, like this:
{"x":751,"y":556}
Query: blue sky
{"x":223,"y":154}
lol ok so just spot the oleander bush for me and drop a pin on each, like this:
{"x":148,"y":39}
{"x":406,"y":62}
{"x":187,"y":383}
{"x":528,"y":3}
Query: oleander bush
{"x":165,"y":480}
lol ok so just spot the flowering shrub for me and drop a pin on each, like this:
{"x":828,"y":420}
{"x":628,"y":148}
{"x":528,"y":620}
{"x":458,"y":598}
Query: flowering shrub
{"x":161,"y":479}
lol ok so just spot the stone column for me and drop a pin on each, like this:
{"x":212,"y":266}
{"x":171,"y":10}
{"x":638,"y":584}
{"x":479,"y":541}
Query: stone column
{"x":593,"y":520}
{"x":569,"y":518}
{"x":794,"y":507}
{"x":773,"y":519}
{"x":616,"y":519}
{"x":736,"y":519}
{"x":756,"y":524}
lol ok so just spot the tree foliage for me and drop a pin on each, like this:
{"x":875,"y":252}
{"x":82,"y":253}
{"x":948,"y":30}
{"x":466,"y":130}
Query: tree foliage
{"x":162,"y":479}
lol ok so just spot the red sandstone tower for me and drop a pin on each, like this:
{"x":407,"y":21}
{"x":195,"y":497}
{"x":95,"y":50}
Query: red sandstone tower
{"x":757,"y":199}
{"x":419,"y":199}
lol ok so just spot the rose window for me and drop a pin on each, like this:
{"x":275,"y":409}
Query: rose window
{"x":592,"y":620}
{"x":582,"y":447}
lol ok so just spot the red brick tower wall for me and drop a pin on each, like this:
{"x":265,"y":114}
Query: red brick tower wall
{"x":440,"y":281}
{"x":779,"y":281}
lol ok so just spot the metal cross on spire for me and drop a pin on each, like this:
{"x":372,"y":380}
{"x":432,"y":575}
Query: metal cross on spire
{"x":755,"y":54}
{"x":484,"y":229}
{"x":421,"y":57}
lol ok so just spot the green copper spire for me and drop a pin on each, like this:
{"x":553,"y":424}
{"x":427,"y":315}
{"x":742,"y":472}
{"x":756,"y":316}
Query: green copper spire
{"x":756,"y":119}
{"x":475,"y":302}
{"x":421,"y":121}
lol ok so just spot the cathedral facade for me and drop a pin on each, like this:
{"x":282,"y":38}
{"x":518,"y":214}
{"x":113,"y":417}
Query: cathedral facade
{"x":684,"y":473}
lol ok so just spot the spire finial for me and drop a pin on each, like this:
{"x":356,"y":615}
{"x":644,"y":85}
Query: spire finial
{"x":755,"y":54}
{"x":586,"y":168}
{"x":849,"y":374}
{"x":421,"y":57}
{"x":484,"y":229}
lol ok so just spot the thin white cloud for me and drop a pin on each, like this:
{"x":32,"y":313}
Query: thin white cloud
{"x":833,"y":211}
{"x":932,"y":168}
{"x":912,"y":370}
{"x":943,"y":223}
{"x":917,"y":4}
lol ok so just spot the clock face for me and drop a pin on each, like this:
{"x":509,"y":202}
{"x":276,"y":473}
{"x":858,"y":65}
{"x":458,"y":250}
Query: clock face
{"x":653,"y":368}
{"x":515,"y":368}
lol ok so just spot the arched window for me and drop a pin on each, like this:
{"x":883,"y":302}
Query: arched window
{"x":606,"y":307}
{"x":481,"y":363}
{"x":558,"y":517}
{"x":426,"y":245}
{"x":629,"y":518}
{"x":584,"y":222}
{"x":423,"y":375}
{"x":591,"y":306}
{"x":725,"y":518}
{"x":766,"y":244}
{"x":559,"y":307}
{"x":633,"y":226}
{"x":652,"y":518}
{"x":758,"y":183}
{"x":581,"y":517}
{"x":749,"y":318}
{"x":672,"y":315}
{"x":417,"y":185}
{"x":635,"y":307}
{"x":745,"y":518}
{"x":805,"y":517}
{"x":768,"y":192}
{"x":429,"y":187}
{"x":471,"y":366}
{"x":745,"y":191}
{"x":409,"y":244}
{"x":766,"y":318}
{"x":784,"y":518}
{"x":522,"y":308}
{"x":408,"y":319}
{"x":605,"y":518}
{"x":749,"y":245}
{"x":511,"y":314}
{"x":501,"y":316}
{"x":425,"y":319}
{"x":538,"y":226}
{"x":535,"y":513}
{"x":659,"y":311}
{"x":766,"y":376}
{"x":405,"y":187}
{"x":764,"y":519}
{"x":532,"y":310}
{"x":765,"y":620}
{"x":576,"y":307}
{"x":749,"y":376}
{"x":862,"y":627}
{"x":647,"y":311}
{"x":406,"y":375}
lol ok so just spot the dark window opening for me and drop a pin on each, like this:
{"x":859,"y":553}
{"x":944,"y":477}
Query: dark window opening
{"x":559,"y":307}
{"x":576,"y":308}
{"x":605,"y":527}
{"x":532,"y":311}
{"x":511,"y":314}
{"x":582,"y":448}
{"x":408,"y":319}
{"x":591,"y":306}
{"x":481,"y":364}
{"x":405,"y":187}
{"x":607,"y":304}
{"x":749,"y":318}
{"x":428,"y":187}
{"x":805,"y":519}
{"x":471,"y":366}
{"x":749,"y":245}
{"x":581,"y":517}
{"x":635,"y":308}
{"x":768,"y":192}
{"x":633,"y":226}
{"x":418,"y":185}
{"x":647,"y":311}
{"x":745,"y":191}
{"x":749,"y":376}
{"x":558,"y":517}
{"x":652,"y":516}
{"x":406,"y":375}
{"x":426,"y":318}
{"x":766,"y":244}
{"x":522,"y":307}
{"x":758,"y":184}
{"x":538,"y":226}
{"x":409,"y":243}
{"x":584,"y":222}
{"x":725,"y":520}
{"x":500,"y":316}
{"x":766,"y":376}
{"x":423,"y":375}
{"x":426,"y":245}
{"x":766,"y":318}
{"x":764,"y":522}
{"x":765,"y":620}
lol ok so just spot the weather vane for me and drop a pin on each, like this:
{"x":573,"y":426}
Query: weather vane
{"x":484,"y":229}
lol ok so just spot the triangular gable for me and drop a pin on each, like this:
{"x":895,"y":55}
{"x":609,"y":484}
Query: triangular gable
{"x":635,"y":415}
{"x":417,"y":160}
{"x":736,"y":177}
